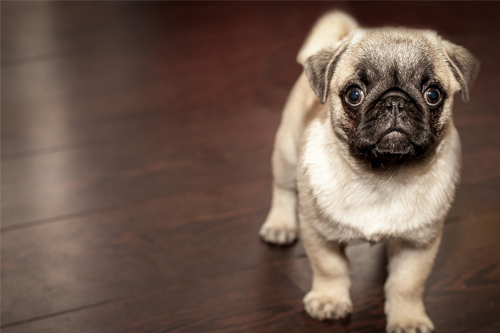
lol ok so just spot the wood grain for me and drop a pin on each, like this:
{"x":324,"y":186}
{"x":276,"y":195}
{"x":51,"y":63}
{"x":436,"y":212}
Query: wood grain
{"x":136,"y":143}
{"x":462,"y":293}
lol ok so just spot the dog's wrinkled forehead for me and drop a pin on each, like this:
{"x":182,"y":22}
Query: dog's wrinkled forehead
{"x":397,"y":56}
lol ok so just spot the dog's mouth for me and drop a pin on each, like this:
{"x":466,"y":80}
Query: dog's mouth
{"x":395,"y":147}
{"x":394,"y":144}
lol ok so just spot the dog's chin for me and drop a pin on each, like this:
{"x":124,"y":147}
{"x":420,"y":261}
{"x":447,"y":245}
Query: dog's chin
{"x":393,"y":146}
{"x":391,"y":150}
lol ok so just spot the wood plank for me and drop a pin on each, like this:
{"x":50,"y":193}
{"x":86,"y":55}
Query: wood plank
{"x":255,"y":300}
{"x":493,"y":328}
{"x":69,"y":264}
{"x":137,"y":169}
{"x":462,"y":293}
{"x":137,"y":75}
{"x":100,"y":96}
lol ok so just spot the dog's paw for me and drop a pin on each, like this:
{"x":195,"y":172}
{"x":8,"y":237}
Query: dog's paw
{"x":419,"y":328}
{"x":417,"y":324}
{"x":324,"y":307}
{"x":279,"y":235}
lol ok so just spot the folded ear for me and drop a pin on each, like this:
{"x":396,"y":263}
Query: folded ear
{"x":319,"y":68}
{"x":463,"y":65}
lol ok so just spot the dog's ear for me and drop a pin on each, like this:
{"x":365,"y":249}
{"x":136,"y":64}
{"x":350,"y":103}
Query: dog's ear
{"x":463,"y":65}
{"x":319,"y":68}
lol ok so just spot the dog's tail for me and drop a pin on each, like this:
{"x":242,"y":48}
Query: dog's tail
{"x":330,"y":28}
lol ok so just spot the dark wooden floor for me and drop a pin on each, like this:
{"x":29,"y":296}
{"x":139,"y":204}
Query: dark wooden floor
{"x":136,"y":142}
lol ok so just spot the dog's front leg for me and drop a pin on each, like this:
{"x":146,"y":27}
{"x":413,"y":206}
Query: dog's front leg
{"x":281,"y":225}
{"x":409,"y":267}
{"x":329,"y":296}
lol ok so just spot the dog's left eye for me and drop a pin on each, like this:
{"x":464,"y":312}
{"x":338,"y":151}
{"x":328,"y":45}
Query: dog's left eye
{"x":354,"y":96}
{"x":432,"y":96}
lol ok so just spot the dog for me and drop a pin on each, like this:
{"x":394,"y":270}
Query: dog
{"x":367,"y":150}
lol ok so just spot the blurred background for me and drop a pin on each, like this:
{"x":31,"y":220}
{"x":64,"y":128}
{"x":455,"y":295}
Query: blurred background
{"x":136,"y":143}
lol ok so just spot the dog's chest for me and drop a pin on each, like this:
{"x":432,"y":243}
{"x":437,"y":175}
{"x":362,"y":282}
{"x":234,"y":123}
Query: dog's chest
{"x":371,"y":206}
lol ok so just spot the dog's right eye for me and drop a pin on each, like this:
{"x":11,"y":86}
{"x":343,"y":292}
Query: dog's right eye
{"x":354,"y":96}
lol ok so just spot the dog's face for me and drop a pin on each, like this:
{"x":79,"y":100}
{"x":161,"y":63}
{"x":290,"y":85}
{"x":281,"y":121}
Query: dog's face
{"x":391,"y":91}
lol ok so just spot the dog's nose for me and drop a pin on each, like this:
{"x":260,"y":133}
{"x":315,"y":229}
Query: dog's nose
{"x":395,"y":104}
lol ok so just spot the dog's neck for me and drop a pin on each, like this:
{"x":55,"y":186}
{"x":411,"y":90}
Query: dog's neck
{"x":390,"y":199}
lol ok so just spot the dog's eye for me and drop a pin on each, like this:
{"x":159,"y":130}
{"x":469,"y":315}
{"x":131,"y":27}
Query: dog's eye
{"x":432,"y":96}
{"x":354,"y":96}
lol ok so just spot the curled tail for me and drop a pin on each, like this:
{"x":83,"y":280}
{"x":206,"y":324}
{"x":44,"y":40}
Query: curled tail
{"x":330,"y":28}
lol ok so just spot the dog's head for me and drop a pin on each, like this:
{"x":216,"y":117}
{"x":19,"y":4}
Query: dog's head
{"x":391,"y":90}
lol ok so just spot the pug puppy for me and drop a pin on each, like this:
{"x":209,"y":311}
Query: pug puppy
{"x":367,"y":150}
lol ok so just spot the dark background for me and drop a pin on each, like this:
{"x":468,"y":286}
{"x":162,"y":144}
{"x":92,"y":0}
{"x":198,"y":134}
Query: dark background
{"x":136,"y":143}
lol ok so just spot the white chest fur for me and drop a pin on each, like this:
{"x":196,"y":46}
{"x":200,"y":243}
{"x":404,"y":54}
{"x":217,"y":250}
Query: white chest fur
{"x":373,"y":205}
